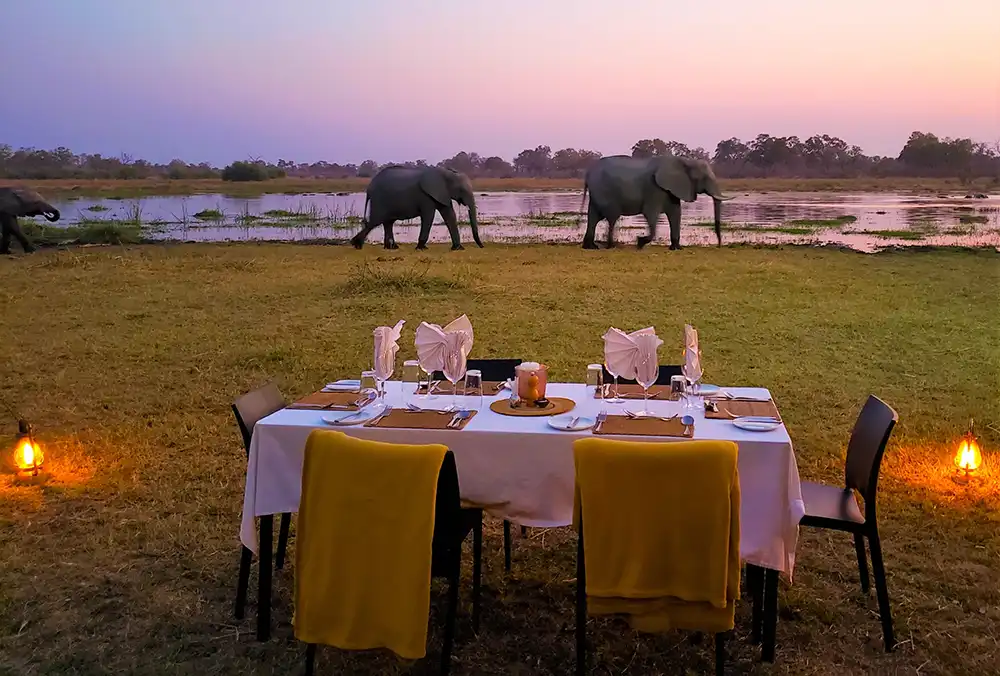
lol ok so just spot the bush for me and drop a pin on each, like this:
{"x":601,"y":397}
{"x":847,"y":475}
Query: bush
{"x":245,"y":171}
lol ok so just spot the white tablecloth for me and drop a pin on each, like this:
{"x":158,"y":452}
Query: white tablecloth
{"x":527,"y":465}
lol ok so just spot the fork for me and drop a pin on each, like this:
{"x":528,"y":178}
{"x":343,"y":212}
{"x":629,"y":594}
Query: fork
{"x":636,"y":416}
{"x":601,"y":417}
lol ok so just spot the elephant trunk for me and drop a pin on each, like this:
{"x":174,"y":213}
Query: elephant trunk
{"x":54,"y":214}
{"x":717,"y":204}
{"x":474,"y":222}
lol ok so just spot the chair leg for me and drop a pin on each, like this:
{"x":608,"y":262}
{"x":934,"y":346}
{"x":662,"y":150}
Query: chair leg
{"x":581,"y":607}
{"x":279,"y":559}
{"x":477,"y":572}
{"x":246,"y":560}
{"x":720,"y":653}
{"x":506,"y":545}
{"x":310,"y":658}
{"x":881,"y":590}
{"x":449,"y":627}
{"x":859,"y":546}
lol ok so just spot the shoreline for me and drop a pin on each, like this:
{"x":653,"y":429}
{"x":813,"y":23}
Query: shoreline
{"x":136,"y":188}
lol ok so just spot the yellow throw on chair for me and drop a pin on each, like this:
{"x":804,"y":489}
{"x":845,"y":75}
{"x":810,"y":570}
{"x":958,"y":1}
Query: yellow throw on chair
{"x":363,"y":545}
{"x":661,"y":526}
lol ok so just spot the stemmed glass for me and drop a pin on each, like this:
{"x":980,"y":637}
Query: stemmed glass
{"x":616,"y":399}
{"x":427,"y":393}
{"x":454,"y":370}
{"x":380,"y":380}
{"x":646,"y":377}
{"x":692,"y":374}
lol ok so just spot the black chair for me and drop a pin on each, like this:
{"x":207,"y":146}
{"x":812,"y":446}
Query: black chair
{"x":662,"y":378}
{"x":837,"y":508}
{"x":495,"y":370}
{"x":248,"y":409}
{"x":667,"y":371}
{"x":452,"y":524}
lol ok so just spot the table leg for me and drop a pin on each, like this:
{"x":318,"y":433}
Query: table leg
{"x":265,"y":561}
{"x":770,"y":614}
{"x":755,"y":583}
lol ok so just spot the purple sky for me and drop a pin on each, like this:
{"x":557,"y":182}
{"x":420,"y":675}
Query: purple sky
{"x":304,"y":80}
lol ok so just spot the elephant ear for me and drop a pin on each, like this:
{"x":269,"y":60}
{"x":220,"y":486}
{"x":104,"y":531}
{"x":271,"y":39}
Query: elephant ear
{"x":672,"y":175}
{"x":433,"y":183}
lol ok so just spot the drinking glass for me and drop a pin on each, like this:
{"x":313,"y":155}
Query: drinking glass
{"x":594,"y":375}
{"x":646,"y":377}
{"x":411,"y":378}
{"x":474,"y":389}
{"x":380,"y":384}
{"x":367,"y":381}
{"x":693,"y":377}
{"x":454,"y":370}
{"x":427,"y":393}
{"x":616,"y":399}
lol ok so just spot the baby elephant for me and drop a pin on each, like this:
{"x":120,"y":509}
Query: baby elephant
{"x":17,"y":202}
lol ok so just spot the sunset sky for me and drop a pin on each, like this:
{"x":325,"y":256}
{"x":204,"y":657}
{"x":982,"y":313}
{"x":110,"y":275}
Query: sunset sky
{"x":304,"y":80}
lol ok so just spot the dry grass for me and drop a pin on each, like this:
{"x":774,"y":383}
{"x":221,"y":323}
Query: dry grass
{"x":126,"y":360}
{"x":111,"y":188}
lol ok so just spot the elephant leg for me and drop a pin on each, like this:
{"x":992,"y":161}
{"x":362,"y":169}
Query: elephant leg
{"x":10,"y":227}
{"x":359,"y":239}
{"x":448,"y":214}
{"x":4,"y":234}
{"x":673,"y":210}
{"x":388,"y":239}
{"x":426,"y":219}
{"x":652,"y":218}
{"x":612,"y":222}
{"x":593,"y":217}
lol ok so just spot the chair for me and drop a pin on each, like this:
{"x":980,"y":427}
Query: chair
{"x":662,"y":378}
{"x":248,"y":409}
{"x":452,"y":524}
{"x":837,"y":508}
{"x":496,"y":370}
{"x":666,"y":480}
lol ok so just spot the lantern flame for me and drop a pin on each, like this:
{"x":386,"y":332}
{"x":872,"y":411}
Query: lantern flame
{"x":969,"y":457}
{"x":28,"y":455}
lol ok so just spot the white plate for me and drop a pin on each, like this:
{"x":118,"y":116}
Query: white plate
{"x":709,"y":390}
{"x":352,"y":419}
{"x":756,"y":424}
{"x":561,"y":422}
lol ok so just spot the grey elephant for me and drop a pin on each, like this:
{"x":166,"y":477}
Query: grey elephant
{"x":621,"y":185}
{"x":398,"y":193}
{"x":17,"y":202}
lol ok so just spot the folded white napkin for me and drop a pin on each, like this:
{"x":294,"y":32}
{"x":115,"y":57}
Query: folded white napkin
{"x":626,"y":353}
{"x":434,"y":343}
{"x":386,"y":348}
{"x":692,"y":354}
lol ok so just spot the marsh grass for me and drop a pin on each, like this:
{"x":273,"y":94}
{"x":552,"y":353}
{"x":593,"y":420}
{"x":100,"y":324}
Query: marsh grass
{"x":127,"y":359}
{"x":85,"y":232}
{"x":209,"y":215}
{"x":970,"y":219}
{"x":823,"y":222}
{"x":910,"y":235}
{"x":98,"y":207}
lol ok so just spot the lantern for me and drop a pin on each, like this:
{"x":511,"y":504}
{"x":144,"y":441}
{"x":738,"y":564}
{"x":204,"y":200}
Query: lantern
{"x":28,"y":455}
{"x":968,"y":457}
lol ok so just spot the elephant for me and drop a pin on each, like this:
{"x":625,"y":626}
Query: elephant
{"x":398,"y":193}
{"x":17,"y":202}
{"x":621,"y":185}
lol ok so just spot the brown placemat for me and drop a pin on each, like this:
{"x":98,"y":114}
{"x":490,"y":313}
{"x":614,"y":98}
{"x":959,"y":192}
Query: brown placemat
{"x":648,"y":427}
{"x":341,"y":401}
{"x":740,"y":408}
{"x":489,"y":389}
{"x":631,"y":391}
{"x":556,"y":406}
{"x":417,"y":420}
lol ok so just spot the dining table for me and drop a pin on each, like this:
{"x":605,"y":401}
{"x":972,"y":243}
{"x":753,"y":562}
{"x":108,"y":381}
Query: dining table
{"x":521,"y":469}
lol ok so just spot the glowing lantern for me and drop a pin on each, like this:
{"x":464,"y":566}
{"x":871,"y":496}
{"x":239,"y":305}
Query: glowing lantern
{"x":969,"y":457}
{"x":28,"y":455}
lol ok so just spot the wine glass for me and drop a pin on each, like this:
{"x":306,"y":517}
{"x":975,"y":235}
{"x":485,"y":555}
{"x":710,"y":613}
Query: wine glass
{"x":646,"y":376}
{"x":454,"y":370}
{"x":616,"y":399}
{"x":692,"y":374}
{"x":382,"y":375}
{"x":427,"y":393}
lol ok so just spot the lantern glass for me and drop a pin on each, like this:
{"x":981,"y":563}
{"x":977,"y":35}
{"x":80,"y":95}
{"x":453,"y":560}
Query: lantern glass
{"x":969,"y":457}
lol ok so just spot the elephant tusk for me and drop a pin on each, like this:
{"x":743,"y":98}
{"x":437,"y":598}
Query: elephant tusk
{"x":723,"y":198}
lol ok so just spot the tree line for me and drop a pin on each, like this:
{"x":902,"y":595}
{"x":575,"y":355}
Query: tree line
{"x":820,"y":156}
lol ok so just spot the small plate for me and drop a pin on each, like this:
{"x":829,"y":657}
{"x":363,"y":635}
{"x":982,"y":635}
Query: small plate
{"x":561,"y":422}
{"x":709,"y":390}
{"x":351,"y":419}
{"x":752,"y":424}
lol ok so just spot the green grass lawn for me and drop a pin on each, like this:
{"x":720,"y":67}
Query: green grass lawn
{"x":127,"y":358}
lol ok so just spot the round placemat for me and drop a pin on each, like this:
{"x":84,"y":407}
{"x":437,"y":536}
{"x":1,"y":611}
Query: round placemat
{"x":556,"y":406}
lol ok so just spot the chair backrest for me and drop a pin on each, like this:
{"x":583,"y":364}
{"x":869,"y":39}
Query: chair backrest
{"x":662,"y":378}
{"x":495,"y":370}
{"x":252,"y":406}
{"x":864,"y":450}
{"x":447,"y":506}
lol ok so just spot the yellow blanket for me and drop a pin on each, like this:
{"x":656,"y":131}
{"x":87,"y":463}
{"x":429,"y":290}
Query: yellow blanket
{"x":661,"y":526}
{"x":363,"y":544}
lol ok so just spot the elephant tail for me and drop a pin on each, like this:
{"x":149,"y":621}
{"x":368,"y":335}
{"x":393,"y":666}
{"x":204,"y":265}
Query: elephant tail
{"x":582,"y":202}
{"x":365,"y":214}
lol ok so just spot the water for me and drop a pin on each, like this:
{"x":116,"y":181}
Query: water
{"x":877,"y":220}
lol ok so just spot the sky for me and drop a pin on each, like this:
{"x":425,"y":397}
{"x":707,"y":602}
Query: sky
{"x":394,"y":80}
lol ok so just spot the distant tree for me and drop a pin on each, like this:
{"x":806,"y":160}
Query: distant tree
{"x":367,"y":169}
{"x":497,"y":167}
{"x":535,"y":162}
{"x":245,"y":171}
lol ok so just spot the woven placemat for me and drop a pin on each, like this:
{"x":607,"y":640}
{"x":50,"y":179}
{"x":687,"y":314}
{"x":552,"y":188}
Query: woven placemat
{"x":489,"y":389}
{"x":556,"y":406}
{"x":647,"y":427}
{"x":418,"y":420}
{"x":729,"y":409}
{"x":630,"y":391}
{"x":338,"y":401}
